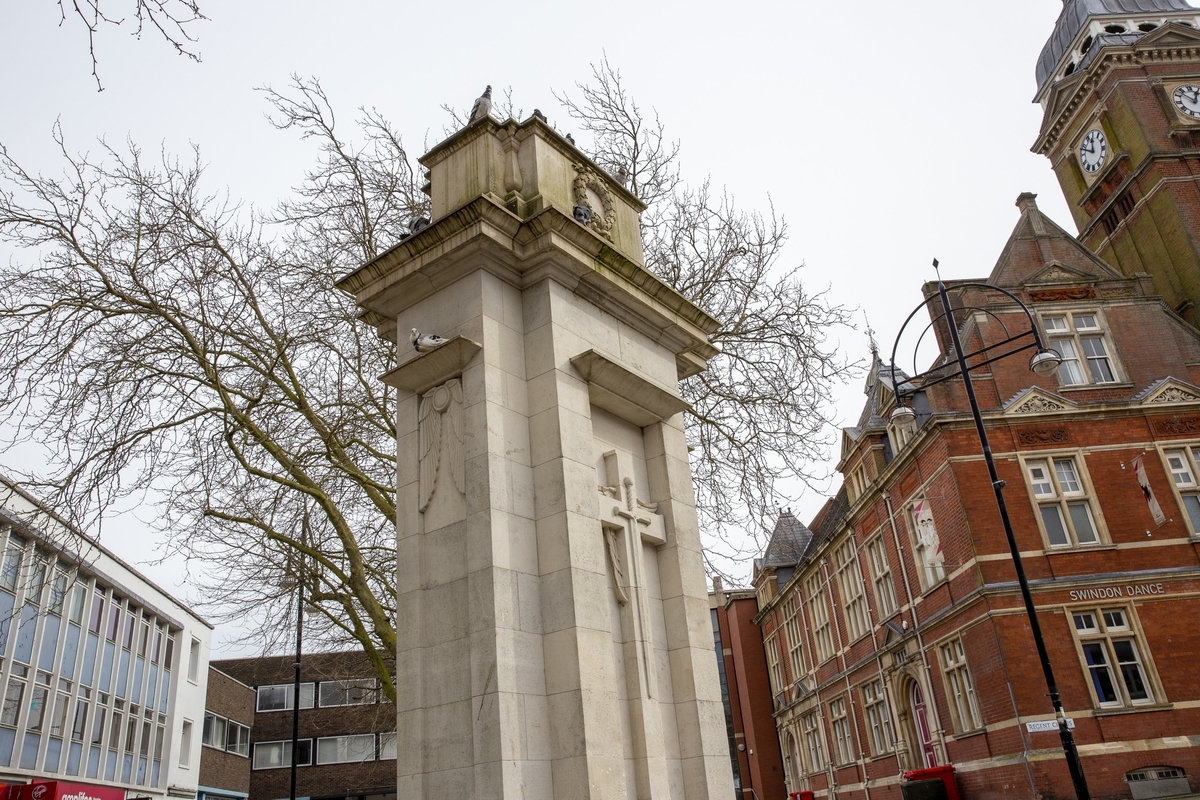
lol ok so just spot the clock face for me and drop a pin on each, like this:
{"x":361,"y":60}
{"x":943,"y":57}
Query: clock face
{"x":1093,"y":151}
{"x":1187,"y":100}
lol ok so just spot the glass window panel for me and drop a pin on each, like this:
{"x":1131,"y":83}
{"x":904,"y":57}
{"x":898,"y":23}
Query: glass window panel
{"x":127,"y":768}
{"x":58,"y":720}
{"x":1081,"y":519}
{"x":1055,"y":530}
{"x":70,"y":651}
{"x":1115,"y":618}
{"x":53,"y":755}
{"x":106,"y":666}
{"x":7,"y":604}
{"x":1097,"y":358}
{"x":1191,"y":504}
{"x":29,"y":751}
{"x":10,"y":569}
{"x":78,"y":601}
{"x":387,"y":746}
{"x":1068,"y":480}
{"x":1039,"y":476}
{"x":89,"y":659}
{"x":26,"y":628}
{"x":1085,"y":322}
{"x":8,"y":738}
{"x":74,"y":756}
{"x":1102,"y":678}
{"x":12,"y":702}
{"x":97,"y":613}
{"x":98,"y":725}
{"x":114,"y":620}
{"x":130,"y":622}
{"x":93,"y":762}
{"x":79,"y":727}
{"x":1180,"y":469}
{"x":1131,"y":669}
{"x":1069,"y":372}
{"x":37,"y":708}
{"x":122,"y":674}
{"x":1056,"y":324}
{"x":1085,"y":622}
{"x":346,"y":749}
{"x":37,"y":582}
{"x":49,"y":641}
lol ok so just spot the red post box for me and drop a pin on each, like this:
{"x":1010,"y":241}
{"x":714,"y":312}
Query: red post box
{"x":943,"y":773}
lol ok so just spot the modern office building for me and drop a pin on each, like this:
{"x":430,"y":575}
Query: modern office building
{"x":103,"y":672}
{"x":347,"y":741}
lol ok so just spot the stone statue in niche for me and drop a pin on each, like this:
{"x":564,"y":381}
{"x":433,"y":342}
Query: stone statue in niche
{"x":927,"y":535}
{"x":440,"y":420}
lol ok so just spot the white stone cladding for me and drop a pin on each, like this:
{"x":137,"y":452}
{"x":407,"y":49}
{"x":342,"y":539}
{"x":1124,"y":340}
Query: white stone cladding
{"x":552,"y":608}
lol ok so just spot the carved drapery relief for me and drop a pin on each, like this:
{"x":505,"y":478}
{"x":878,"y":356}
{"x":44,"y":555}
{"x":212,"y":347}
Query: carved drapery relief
{"x":1061,"y":295}
{"x":1174,"y":394}
{"x":1177,"y":426}
{"x":586,"y":186}
{"x":1038,"y":404}
{"x":1041,"y":436}
{"x":440,"y":419}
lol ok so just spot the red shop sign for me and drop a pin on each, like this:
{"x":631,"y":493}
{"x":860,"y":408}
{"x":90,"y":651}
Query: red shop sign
{"x":59,"y":790}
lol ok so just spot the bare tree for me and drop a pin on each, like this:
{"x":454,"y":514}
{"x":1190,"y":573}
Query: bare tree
{"x":168,"y":341}
{"x":760,"y":412}
{"x":170,"y":19}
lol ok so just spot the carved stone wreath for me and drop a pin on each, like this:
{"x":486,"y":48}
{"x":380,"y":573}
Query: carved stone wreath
{"x":603,"y":219}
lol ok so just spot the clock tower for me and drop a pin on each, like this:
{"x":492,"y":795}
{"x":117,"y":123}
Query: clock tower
{"x":1119,"y":85}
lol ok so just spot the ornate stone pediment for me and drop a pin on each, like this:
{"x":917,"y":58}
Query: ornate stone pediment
{"x":1037,"y":401}
{"x":1057,"y":274}
{"x":1170,"y":390}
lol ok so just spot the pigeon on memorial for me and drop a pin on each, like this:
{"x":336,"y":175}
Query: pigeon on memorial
{"x":418,"y":224}
{"x":537,"y":112}
{"x":570,"y":138}
{"x":482,"y":107}
{"x":424,"y":342}
{"x":622,"y":175}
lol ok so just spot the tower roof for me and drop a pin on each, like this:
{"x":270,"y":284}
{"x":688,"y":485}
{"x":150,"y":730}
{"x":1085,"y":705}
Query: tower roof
{"x":1074,"y":17}
{"x":788,"y":542}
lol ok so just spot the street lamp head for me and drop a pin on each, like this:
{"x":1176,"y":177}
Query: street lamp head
{"x":903,"y":415}
{"x":1046,"y":362}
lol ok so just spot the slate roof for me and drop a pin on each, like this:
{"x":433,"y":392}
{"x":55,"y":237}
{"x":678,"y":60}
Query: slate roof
{"x":788,"y":542}
{"x":1075,"y":15}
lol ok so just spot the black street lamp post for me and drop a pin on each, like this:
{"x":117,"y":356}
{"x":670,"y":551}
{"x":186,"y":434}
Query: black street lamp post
{"x":1045,"y":362}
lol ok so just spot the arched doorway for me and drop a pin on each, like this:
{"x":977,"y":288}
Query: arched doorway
{"x":924,"y":752}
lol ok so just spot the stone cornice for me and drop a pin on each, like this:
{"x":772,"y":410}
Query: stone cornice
{"x":483,"y":234}
{"x":1060,"y":115}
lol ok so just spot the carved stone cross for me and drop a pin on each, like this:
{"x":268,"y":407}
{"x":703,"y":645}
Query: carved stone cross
{"x":628,"y":523}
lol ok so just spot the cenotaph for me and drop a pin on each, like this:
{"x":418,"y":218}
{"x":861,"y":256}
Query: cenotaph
{"x":555,"y":638}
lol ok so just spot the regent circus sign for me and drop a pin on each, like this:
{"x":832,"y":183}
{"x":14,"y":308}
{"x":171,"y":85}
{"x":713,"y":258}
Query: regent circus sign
{"x":1115,"y":591}
{"x":59,"y":790}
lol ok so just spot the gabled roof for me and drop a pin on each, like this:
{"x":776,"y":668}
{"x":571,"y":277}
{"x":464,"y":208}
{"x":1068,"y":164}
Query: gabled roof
{"x":788,"y":542}
{"x":1040,"y":251}
{"x":1074,"y":17}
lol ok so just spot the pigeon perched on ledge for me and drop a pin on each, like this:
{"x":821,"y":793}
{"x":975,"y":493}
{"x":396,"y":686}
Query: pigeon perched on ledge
{"x":424,"y":342}
{"x":482,"y":107}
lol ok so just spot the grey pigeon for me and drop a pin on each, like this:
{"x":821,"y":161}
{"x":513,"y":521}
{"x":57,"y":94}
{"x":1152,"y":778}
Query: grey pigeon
{"x":537,"y":112}
{"x":570,"y":138}
{"x":420,"y":223}
{"x":622,"y":175}
{"x":482,"y":107}
{"x":424,"y":342}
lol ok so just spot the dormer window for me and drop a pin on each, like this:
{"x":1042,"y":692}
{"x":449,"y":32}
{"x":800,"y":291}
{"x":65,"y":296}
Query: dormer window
{"x":859,"y":481}
{"x":1087,"y":45}
{"x":1114,"y":28}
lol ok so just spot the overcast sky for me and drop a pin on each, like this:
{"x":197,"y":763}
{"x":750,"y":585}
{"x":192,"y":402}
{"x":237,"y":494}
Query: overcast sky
{"x":885,"y":133}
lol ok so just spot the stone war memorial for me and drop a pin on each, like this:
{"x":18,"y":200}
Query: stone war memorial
{"x":555,"y":639}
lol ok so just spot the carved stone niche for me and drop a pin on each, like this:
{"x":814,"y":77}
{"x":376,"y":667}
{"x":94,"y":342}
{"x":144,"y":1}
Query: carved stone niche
{"x":592,"y":193}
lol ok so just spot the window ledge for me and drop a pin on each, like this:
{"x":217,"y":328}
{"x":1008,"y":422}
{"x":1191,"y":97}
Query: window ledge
{"x":1091,"y":387}
{"x":958,"y":737}
{"x":925,"y":592}
{"x":1117,"y":712}
{"x":1080,"y":548}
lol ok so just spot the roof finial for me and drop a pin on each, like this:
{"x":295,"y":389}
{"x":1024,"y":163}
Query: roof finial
{"x":871,"y":337}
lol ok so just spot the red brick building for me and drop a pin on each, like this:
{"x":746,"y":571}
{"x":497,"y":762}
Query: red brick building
{"x":897,"y":639}
{"x":225,"y":738}
{"x":746,"y":692}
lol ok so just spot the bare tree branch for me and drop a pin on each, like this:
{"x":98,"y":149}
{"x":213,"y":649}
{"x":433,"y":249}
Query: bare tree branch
{"x":170,"y":18}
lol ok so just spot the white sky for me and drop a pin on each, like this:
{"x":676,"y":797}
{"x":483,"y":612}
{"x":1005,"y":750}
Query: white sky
{"x":885,"y":133}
